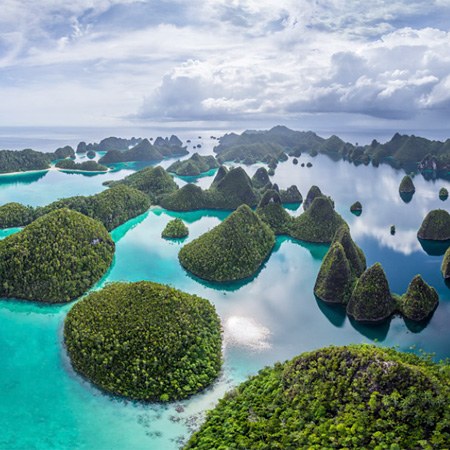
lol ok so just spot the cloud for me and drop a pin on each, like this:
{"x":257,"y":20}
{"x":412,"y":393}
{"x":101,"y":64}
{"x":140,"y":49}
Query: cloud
{"x":229,"y":59}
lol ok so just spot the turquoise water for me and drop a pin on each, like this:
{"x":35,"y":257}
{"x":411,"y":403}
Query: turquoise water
{"x":274,"y":316}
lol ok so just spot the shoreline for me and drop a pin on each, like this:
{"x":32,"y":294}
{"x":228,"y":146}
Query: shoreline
{"x":55,"y":169}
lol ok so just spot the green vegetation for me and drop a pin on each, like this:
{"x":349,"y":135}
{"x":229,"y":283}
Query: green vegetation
{"x":145,"y":151}
{"x":175,"y":229}
{"x":194,"y":166}
{"x":153,"y":181}
{"x":318,"y":223}
{"x":15,"y":215}
{"x":419,"y":301}
{"x":64,"y":152}
{"x":291,"y":195}
{"x":432,"y":158}
{"x":371,"y":300}
{"x":343,"y":264}
{"x":356,"y":208}
{"x":189,"y":198}
{"x":112,"y":207}
{"x":352,"y":397}
{"x":229,"y":190}
{"x":271,"y":211}
{"x":445,"y":266}
{"x":23,"y":160}
{"x":353,"y":253}
{"x":443,"y":193}
{"x":145,"y":341}
{"x":334,"y":282}
{"x":407,"y":185}
{"x":56,"y":258}
{"x":233,"y":250}
{"x":343,"y":279}
{"x":260,"y":179}
{"x":87,"y":166}
{"x":435,"y":226}
{"x":107,"y":144}
{"x":314,"y":191}
{"x":91,"y":154}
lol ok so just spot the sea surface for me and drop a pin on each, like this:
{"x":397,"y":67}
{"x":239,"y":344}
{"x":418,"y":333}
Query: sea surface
{"x":272,"y":317}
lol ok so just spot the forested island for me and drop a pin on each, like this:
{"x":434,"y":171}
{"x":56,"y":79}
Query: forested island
{"x":56,"y":258}
{"x":431,"y":158}
{"x":146,"y":151}
{"x":155,"y":182}
{"x":112,"y":208}
{"x":28,"y":159}
{"x":233,"y":250}
{"x":85,"y":166}
{"x":145,"y":341}
{"x":344,"y":279}
{"x":107,"y":144}
{"x":195,"y":165}
{"x":229,"y":189}
{"x":358,"y":396}
{"x":175,"y":229}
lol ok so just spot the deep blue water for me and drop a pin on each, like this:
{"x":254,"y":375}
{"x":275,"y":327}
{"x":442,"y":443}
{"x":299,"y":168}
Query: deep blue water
{"x":275,"y":316}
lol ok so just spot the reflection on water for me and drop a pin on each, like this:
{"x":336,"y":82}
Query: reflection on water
{"x":406,"y":196}
{"x":334,"y":313}
{"x":22,"y":178}
{"x":434,"y":248}
{"x":273,"y":316}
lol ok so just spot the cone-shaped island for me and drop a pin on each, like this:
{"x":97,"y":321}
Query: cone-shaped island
{"x":233,"y":250}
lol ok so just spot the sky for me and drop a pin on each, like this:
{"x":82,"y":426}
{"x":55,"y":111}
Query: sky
{"x":306,"y":63}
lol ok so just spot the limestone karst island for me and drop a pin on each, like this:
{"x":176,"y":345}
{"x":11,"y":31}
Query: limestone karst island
{"x":224,"y":225}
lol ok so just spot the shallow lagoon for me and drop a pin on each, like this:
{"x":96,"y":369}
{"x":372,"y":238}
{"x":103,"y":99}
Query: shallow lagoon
{"x":272,"y":317}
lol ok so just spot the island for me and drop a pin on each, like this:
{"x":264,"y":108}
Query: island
{"x":371,"y":300}
{"x":108,"y":144}
{"x":145,"y":341}
{"x":194,"y":166}
{"x":86,"y":166}
{"x":356,"y":396}
{"x":146,"y":151}
{"x":409,"y":152}
{"x":443,"y":194}
{"x":271,"y":211}
{"x":406,"y":189}
{"x":229,"y":189}
{"x":435,"y":226}
{"x":407,"y":185}
{"x":233,"y":250}
{"x":64,"y":152}
{"x":356,"y":208}
{"x":260,"y":179}
{"x":23,"y":160}
{"x":175,"y":229}
{"x":314,"y":191}
{"x":341,"y":267}
{"x":56,"y":258}
{"x":344,"y":280}
{"x":445,"y":266}
{"x":155,"y":182}
{"x":419,"y":301}
{"x":112,"y":208}
{"x":318,"y":223}
{"x":16,"y":215}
